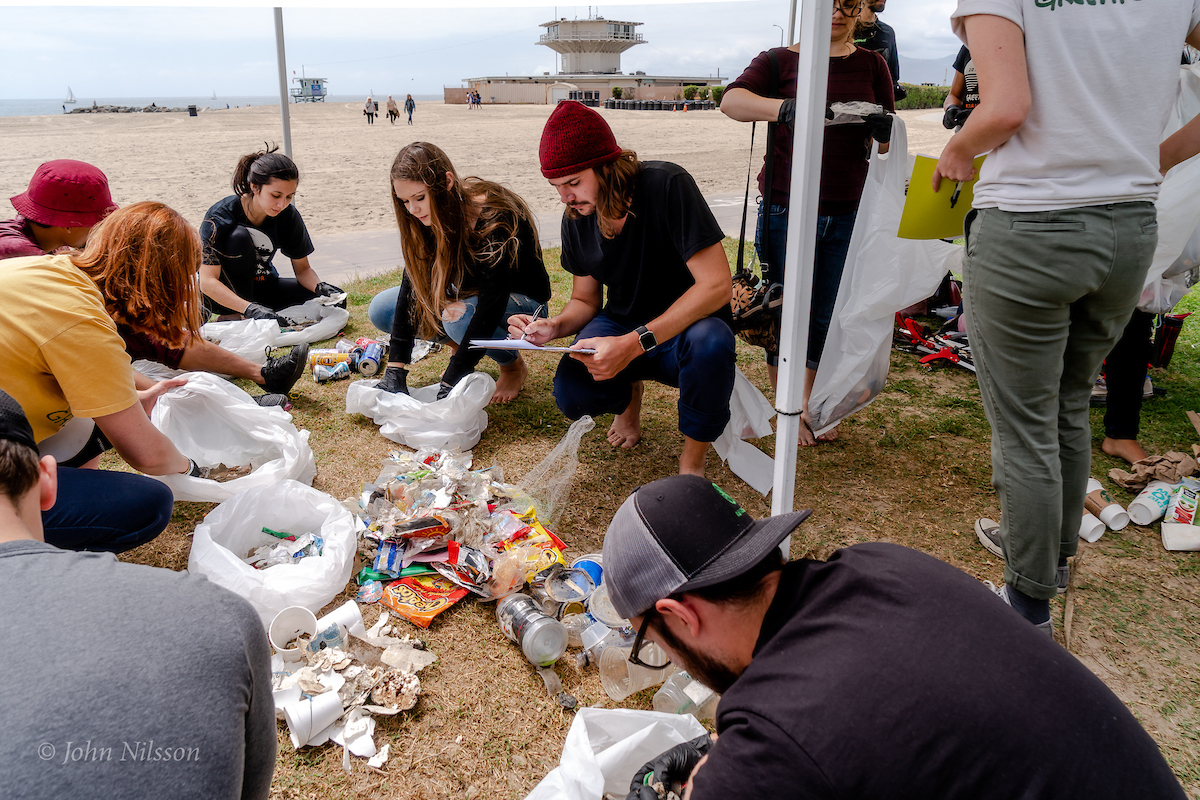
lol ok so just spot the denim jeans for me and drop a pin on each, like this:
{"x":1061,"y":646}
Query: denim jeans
{"x":699,"y":361}
{"x":382,"y":311}
{"x":833,"y":243}
{"x":106,"y":511}
{"x":1047,"y":294}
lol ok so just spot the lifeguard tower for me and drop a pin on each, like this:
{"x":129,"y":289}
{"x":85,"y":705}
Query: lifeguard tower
{"x":310,"y":90}
{"x":591,"y":45}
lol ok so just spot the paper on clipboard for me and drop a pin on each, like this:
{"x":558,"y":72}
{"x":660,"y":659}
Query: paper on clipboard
{"x":521,"y":344}
{"x":930,"y":215}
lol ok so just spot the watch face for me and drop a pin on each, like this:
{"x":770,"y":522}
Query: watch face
{"x":647,"y":340}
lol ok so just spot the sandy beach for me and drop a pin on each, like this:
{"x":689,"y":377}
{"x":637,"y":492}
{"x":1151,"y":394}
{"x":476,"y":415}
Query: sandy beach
{"x":187,"y":162}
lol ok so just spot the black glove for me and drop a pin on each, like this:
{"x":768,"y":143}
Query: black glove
{"x":329,"y":290}
{"x":899,"y":93}
{"x":444,"y":390}
{"x":879,"y":126}
{"x":787,"y":113}
{"x":394,"y":380}
{"x":673,"y":766}
{"x":194,"y":470}
{"x":256,"y":311}
{"x":955,"y":116}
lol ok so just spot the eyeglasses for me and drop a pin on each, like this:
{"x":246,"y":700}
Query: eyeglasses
{"x":640,"y":642}
{"x":847,"y":9}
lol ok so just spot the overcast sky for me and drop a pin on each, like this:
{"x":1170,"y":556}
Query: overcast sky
{"x":111,"y":51}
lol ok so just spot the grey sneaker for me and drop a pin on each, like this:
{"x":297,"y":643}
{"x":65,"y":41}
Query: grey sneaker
{"x":1064,"y":578}
{"x":988,"y":532}
{"x":1046,"y":627}
{"x":280,"y":374}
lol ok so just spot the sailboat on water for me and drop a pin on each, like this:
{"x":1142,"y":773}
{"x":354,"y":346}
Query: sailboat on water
{"x":214,"y":94}
{"x":70,"y":96}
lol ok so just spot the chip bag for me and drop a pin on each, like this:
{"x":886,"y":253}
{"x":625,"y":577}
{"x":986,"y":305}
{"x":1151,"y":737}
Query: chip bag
{"x":420,"y":598}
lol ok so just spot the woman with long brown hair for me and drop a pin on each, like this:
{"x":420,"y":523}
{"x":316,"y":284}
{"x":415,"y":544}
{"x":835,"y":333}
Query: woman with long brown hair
{"x":471,"y":260}
{"x":67,"y":367}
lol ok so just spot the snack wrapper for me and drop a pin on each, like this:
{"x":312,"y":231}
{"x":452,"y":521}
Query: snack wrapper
{"x":421,"y":598}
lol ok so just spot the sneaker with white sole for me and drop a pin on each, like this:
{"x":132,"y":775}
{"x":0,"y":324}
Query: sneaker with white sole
{"x":1064,"y":578}
{"x":280,"y":374}
{"x":988,"y":533}
{"x":1046,"y":627}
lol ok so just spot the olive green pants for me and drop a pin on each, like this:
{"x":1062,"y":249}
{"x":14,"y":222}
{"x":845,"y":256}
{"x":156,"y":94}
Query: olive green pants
{"x":1047,"y":295}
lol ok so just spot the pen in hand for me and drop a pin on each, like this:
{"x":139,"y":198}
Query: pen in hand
{"x":537,"y":311}
{"x":957,"y":192}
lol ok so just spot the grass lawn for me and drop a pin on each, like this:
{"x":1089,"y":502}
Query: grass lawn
{"x":911,"y":468}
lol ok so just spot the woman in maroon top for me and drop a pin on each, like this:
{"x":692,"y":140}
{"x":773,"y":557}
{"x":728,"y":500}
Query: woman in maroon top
{"x":855,"y":73}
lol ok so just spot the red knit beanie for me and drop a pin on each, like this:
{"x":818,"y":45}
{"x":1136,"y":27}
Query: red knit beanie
{"x":575,"y":138}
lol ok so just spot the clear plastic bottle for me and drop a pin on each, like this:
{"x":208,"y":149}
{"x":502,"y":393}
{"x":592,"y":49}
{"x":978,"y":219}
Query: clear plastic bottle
{"x":543,"y":639}
{"x":621,"y":678}
{"x":683,"y":694}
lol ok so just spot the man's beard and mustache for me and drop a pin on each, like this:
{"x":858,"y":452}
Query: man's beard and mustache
{"x":704,"y":668}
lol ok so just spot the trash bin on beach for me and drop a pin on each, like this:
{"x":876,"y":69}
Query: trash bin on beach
{"x":191,"y":111}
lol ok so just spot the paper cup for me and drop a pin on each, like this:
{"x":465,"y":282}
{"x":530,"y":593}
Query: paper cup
{"x":288,"y":624}
{"x":1090,"y":528}
{"x":308,"y":717}
{"x":1151,"y":503}
{"x":349,"y":616}
{"x":1114,"y":517}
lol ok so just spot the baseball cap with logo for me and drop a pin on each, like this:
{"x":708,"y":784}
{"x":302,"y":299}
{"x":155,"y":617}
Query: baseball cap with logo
{"x":683,"y":533}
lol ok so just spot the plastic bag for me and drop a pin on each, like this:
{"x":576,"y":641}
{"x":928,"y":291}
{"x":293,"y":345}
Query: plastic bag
{"x":234,"y":528}
{"x":883,"y":274}
{"x":248,"y":338}
{"x":549,"y":483}
{"x":214,"y":422}
{"x":605,"y":747}
{"x":1178,"y":205}
{"x":329,"y":320}
{"x":420,"y":419}
{"x":749,"y":418}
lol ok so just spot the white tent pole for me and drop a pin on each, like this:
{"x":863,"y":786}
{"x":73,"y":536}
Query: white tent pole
{"x":801,"y":241}
{"x":283,"y":92}
{"x":791,"y":31}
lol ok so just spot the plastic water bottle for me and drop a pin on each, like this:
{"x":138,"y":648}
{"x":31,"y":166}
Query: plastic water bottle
{"x":683,"y":694}
{"x":542,"y":638}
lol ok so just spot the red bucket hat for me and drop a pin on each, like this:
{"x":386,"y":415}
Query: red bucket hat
{"x":574,"y":139}
{"x":66,"y":194}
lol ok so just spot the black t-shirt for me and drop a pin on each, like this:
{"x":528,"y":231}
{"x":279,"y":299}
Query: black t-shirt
{"x":492,"y":281}
{"x":964,"y":65}
{"x":884,"y":673}
{"x":644,"y":267}
{"x":880,"y":37}
{"x":284,"y":233}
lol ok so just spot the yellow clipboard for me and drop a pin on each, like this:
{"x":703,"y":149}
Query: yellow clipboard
{"x":935,"y":215}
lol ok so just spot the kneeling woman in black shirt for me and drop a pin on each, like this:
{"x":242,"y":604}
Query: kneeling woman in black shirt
{"x":242,"y":233}
{"x":471,"y":260}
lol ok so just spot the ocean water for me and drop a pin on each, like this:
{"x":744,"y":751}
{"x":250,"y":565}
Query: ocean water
{"x":32,"y":108}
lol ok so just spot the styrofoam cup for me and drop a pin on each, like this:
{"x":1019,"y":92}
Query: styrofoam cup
{"x":311,"y":715}
{"x":349,"y":616}
{"x":1090,"y":528}
{"x":288,"y":624}
{"x":1114,"y":517}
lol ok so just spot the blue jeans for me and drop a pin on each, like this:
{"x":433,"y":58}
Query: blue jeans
{"x":699,"y":361}
{"x":108,"y":511}
{"x":833,"y":243}
{"x":382,"y":311}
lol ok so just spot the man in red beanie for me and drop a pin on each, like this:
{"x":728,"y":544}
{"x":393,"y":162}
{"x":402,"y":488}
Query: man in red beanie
{"x":651,"y":286}
{"x":64,"y":201}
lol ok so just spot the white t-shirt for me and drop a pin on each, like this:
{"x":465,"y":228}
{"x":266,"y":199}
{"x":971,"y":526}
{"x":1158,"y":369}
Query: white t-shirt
{"x":1102,"y":76}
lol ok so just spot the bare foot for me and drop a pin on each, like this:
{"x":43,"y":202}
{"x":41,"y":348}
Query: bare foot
{"x":691,"y":460}
{"x":1125,"y":449}
{"x":512,"y":378}
{"x":626,"y":430}
{"x":806,"y":438}
{"x":828,"y":436}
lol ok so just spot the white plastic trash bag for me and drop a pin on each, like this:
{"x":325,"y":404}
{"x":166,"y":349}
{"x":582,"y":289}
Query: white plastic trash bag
{"x":248,"y":338}
{"x":883,"y":275}
{"x":214,"y":422}
{"x":329,"y":320}
{"x":749,"y":418}
{"x":420,"y":419}
{"x":232,"y":530}
{"x":605,"y":747}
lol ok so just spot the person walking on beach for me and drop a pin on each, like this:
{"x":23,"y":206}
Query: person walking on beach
{"x":241,"y":235}
{"x":393,"y":111}
{"x":409,"y":106}
{"x":1062,"y":233}
{"x":471,"y":261}
{"x":650,"y":286}
{"x":766,"y":91}
{"x":369,"y":108}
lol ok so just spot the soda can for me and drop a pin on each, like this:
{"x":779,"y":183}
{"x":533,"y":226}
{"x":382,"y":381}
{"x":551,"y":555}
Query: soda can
{"x":337,"y":372}
{"x":344,"y":345}
{"x":327,"y":358}
{"x":371,"y":361}
{"x":363,"y":341}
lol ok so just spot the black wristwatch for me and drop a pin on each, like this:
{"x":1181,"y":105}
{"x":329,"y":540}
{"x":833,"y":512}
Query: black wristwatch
{"x":646,"y":338}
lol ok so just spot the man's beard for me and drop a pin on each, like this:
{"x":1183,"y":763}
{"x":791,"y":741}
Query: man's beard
{"x":701,"y":666}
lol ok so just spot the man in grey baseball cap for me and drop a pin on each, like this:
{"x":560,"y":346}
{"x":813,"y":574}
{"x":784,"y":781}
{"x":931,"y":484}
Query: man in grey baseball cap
{"x":878,"y":673}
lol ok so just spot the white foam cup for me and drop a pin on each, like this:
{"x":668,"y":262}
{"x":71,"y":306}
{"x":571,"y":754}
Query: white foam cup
{"x":349,"y":616}
{"x":292,"y":622}
{"x":1114,"y":517}
{"x":1151,"y":503}
{"x":311,"y":715}
{"x":1090,"y":528}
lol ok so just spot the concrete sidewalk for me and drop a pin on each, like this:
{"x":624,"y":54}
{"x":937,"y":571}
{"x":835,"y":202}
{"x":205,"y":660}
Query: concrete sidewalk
{"x":341,"y":257}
